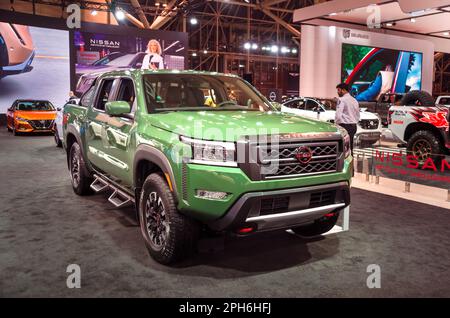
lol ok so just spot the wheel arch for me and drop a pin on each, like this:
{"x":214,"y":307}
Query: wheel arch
{"x":414,"y":127}
{"x":147,"y":160}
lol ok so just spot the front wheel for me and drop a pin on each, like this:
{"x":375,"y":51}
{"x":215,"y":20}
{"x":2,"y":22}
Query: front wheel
{"x":320,"y":226}
{"x":81,"y":179}
{"x":169,"y":235}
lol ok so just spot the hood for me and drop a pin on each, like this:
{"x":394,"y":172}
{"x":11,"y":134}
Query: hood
{"x":39,"y":115}
{"x":230,"y":125}
{"x":368,"y":115}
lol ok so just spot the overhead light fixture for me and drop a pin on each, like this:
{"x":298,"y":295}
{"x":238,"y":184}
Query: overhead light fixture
{"x":446,"y":33}
{"x":194,"y":54}
{"x":94,"y":12}
{"x":274,"y":49}
{"x":389,"y":24}
{"x":247,"y":45}
{"x":284,"y":50}
{"x":157,"y":4}
{"x":120,"y":15}
{"x":193,"y":21}
{"x":332,"y":14}
{"x":254,"y":46}
{"x":294,"y":51}
{"x":413,"y":20}
{"x":205,"y":51}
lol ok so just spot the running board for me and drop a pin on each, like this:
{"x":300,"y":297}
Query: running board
{"x":99,"y":185}
{"x":118,"y":198}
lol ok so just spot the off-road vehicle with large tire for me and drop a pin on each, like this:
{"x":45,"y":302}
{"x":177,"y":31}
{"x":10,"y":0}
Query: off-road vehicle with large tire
{"x":421,"y":124}
{"x":198,"y":152}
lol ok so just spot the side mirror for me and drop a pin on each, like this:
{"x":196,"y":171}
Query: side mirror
{"x":59,"y":109}
{"x":117,"y":108}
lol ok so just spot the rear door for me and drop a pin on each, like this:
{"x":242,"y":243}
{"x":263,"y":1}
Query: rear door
{"x":96,"y":121}
{"x":117,"y":141}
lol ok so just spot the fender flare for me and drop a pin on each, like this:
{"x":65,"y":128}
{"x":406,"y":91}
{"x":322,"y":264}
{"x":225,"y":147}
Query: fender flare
{"x":156,"y":156}
{"x":73,"y":131}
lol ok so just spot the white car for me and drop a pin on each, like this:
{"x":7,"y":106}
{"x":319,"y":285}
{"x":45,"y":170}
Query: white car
{"x":443,"y":100}
{"x":369,"y":126}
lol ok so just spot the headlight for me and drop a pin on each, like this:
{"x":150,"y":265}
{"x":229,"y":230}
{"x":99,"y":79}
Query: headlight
{"x":21,"y":119}
{"x":214,"y":153}
{"x":346,"y":137}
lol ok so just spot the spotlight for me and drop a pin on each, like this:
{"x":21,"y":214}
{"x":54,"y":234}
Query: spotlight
{"x":294,"y":51}
{"x":247,"y":46}
{"x":254,"y":46}
{"x":413,"y":20}
{"x":274,"y":49}
{"x":193,"y":21}
{"x":284,"y":49}
{"x":205,"y":52}
{"x":194,"y":54}
{"x":94,"y":12}
{"x":120,"y":15}
{"x":446,"y":33}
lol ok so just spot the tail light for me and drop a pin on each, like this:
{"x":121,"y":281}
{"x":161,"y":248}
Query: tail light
{"x":390,"y":117}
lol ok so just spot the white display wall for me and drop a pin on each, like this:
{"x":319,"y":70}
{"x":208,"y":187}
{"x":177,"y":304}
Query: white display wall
{"x":321,"y":56}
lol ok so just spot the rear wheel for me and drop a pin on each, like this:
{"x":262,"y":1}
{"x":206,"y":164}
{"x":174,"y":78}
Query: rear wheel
{"x":81,"y":179}
{"x":320,"y":226}
{"x":423,"y":144}
{"x":169,"y":235}
{"x":58,"y":141}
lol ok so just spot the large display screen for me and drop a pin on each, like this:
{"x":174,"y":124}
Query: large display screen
{"x":99,"y":52}
{"x":34,"y":64}
{"x":373,"y":71}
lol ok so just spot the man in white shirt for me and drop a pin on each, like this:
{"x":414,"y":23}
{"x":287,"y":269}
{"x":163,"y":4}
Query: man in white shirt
{"x":347,"y":111}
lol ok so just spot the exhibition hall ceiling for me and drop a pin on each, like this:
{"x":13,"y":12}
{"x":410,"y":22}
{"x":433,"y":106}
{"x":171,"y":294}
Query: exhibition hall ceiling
{"x":434,"y":20}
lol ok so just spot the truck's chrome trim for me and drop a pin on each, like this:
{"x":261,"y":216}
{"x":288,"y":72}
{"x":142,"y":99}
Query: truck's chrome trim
{"x":294,"y":214}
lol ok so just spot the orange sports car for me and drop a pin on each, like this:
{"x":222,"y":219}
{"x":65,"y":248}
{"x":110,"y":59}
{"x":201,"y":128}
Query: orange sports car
{"x":16,"y":49}
{"x":30,"y":116}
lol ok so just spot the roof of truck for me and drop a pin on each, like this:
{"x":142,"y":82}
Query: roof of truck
{"x":136,"y":71}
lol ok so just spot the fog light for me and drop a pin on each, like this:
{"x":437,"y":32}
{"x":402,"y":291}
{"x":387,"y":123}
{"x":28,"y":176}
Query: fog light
{"x":211,"y":195}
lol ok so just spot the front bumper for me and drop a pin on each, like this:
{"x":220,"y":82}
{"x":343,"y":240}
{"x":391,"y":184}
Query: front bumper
{"x":23,"y":67}
{"x":27,"y":127}
{"x":374,"y":135}
{"x":271,"y":210}
{"x":237,"y":184}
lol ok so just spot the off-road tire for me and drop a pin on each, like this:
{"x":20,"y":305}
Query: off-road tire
{"x":80,"y":177}
{"x":320,"y":226}
{"x":432,"y":145}
{"x":414,"y":97}
{"x":181,"y":235}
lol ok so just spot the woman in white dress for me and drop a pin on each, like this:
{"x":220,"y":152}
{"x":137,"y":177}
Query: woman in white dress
{"x":153,"y":59}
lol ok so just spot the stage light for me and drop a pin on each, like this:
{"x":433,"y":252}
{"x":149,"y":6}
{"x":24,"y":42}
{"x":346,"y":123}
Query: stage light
{"x":389,"y":24}
{"x":193,"y":21}
{"x":205,"y":52}
{"x":274,"y":49}
{"x":446,"y":33}
{"x":294,"y":51}
{"x":247,"y":45}
{"x":194,"y":54}
{"x":413,"y":20}
{"x":254,"y":46}
{"x":94,"y":12}
{"x":284,"y":49}
{"x":120,"y":15}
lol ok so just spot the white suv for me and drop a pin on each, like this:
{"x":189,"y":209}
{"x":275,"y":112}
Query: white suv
{"x":369,"y":126}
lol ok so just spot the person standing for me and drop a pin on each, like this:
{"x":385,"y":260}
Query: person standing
{"x":347,"y":111}
{"x":153,"y":59}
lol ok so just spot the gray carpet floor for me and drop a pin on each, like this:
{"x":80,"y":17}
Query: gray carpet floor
{"x":44,"y":227}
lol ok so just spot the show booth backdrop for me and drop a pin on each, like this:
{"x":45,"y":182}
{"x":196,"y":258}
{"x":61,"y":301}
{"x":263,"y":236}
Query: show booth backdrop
{"x":372,"y":63}
{"x":40,"y":58}
{"x":36,"y":64}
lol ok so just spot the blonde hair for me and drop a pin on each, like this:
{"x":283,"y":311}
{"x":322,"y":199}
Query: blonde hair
{"x":157,"y":44}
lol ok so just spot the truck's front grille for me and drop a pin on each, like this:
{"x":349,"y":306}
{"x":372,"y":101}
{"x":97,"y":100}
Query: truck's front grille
{"x":41,"y":124}
{"x":368,"y":123}
{"x":296,"y":159}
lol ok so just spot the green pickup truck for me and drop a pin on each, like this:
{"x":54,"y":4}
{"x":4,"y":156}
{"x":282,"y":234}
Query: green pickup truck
{"x":197,"y":152}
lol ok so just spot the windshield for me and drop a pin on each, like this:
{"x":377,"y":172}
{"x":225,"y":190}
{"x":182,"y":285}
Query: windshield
{"x":108,"y":58}
{"x":174,"y":92}
{"x":121,"y":61}
{"x":35,"y":106}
